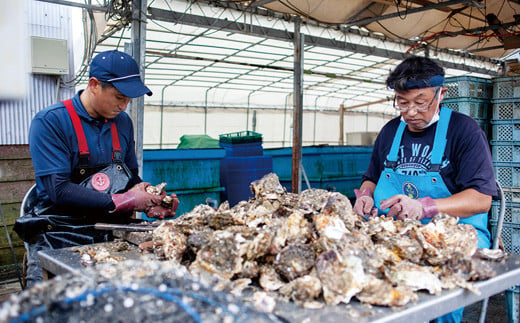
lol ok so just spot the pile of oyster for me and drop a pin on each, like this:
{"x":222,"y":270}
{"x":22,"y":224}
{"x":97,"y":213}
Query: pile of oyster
{"x":311,"y":247}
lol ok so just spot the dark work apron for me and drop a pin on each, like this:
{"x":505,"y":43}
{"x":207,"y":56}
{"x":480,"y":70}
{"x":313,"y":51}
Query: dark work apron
{"x":66,"y":226}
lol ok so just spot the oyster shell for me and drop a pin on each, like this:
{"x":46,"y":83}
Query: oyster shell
{"x":294,"y":261}
{"x":305,"y":288}
{"x":220,"y":256}
{"x":416,"y":277}
{"x":168,"y":242}
{"x":443,"y":237}
{"x":341,"y":278}
{"x":382,"y":293}
{"x":269,"y":279}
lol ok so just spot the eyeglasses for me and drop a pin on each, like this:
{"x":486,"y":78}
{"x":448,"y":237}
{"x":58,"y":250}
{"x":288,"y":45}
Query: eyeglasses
{"x":418,"y":108}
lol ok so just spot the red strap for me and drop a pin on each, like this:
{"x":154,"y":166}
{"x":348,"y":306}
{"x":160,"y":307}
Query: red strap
{"x":116,"y":146}
{"x":76,"y":122}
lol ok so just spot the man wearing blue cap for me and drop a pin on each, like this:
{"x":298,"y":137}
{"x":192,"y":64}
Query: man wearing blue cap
{"x":83,"y":152}
{"x":428,"y":160}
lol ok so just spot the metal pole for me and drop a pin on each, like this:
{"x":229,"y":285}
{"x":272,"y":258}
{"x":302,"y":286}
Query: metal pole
{"x":206,"y":111}
{"x":247,"y":112}
{"x":138,"y":47}
{"x":341,"y":123}
{"x":366,"y":123}
{"x":284,"y":119}
{"x":298,"y":108}
{"x":314,"y":125}
{"x":162,"y":113}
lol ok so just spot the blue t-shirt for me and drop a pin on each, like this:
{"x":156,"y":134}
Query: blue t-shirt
{"x":466,"y":163}
{"x":54,"y":146}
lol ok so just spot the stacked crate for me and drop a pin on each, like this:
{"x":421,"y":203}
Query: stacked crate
{"x":470,"y":95}
{"x":505,"y":147}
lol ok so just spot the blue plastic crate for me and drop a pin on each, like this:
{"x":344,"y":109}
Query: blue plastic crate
{"x":510,"y":236}
{"x":505,"y":151}
{"x":506,"y":87}
{"x":243,"y":149}
{"x":245,"y":136}
{"x":183,"y":169}
{"x":506,"y":108}
{"x":507,"y":174}
{"x":511,"y":194}
{"x":237,"y":173}
{"x":506,"y":130}
{"x":511,"y":214}
{"x":468,"y":86}
{"x":475,"y":108}
{"x":512,"y":296}
{"x":484,"y":125}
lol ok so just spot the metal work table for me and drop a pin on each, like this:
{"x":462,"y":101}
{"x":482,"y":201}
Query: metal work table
{"x":426,"y":308}
{"x":63,"y":261}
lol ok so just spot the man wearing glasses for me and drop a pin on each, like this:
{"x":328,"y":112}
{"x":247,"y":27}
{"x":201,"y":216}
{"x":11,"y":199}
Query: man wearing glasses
{"x":428,"y":160}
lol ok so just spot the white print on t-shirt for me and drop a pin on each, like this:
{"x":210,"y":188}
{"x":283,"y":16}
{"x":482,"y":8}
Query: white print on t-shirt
{"x":415,"y":161}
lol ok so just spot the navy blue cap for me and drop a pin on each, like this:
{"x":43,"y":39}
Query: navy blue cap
{"x":121,"y":70}
{"x":436,"y":80}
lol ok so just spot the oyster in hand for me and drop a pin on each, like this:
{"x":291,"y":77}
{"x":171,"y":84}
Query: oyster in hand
{"x":168,"y":200}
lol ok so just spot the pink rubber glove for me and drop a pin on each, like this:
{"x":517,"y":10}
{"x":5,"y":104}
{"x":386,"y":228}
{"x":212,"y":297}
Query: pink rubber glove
{"x":161,"y":212}
{"x":403,"y":207}
{"x":140,"y":187}
{"x":135,"y":200}
{"x":364,"y":203}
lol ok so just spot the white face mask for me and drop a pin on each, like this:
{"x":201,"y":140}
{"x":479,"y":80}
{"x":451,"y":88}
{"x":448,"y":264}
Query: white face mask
{"x":435,"y":117}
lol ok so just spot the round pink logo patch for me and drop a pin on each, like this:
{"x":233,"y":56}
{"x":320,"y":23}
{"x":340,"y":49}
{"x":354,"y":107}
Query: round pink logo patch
{"x":100,"y":181}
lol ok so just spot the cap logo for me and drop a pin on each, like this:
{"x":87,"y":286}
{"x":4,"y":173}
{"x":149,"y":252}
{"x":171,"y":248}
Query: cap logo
{"x":100,"y":182}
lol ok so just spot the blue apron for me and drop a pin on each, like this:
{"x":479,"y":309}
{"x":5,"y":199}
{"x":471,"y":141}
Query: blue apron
{"x":430,"y":184}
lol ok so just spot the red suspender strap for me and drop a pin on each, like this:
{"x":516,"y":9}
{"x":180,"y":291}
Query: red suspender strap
{"x":78,"y":128}
{"x":116,"y":146}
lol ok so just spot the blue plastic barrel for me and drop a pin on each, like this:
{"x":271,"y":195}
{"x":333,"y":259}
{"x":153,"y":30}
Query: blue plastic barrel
{"x":243,"y":149}
{"x":237,"y":173}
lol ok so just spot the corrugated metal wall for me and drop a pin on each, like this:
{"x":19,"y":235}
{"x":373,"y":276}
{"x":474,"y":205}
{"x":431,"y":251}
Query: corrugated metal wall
{"x":43,"y":20}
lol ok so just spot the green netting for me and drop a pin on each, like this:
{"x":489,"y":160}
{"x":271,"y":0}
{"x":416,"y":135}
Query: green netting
{"x":197,"y":141}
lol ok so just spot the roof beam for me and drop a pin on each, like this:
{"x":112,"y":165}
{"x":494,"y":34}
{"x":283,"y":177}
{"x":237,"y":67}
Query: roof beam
{"x":478,"y":29}
{"x":259,"y":3}
{"x":429,"y":3}
{"x":363,"y":22}
{"x":284,"y":35}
